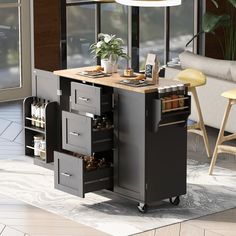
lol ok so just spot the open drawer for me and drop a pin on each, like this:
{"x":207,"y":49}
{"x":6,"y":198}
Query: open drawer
{"x":71,"y":176}
{"x":78,"y":135}
{"x":90,"y":99}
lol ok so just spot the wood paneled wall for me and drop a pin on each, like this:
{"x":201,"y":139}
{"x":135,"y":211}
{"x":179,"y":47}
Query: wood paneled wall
{"x":47,"y":24}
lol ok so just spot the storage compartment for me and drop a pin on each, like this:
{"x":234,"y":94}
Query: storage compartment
{"x":165,"y":117}
{"x":78,"y":135}
{"x":90,"y":99}
{"x":47,"y":131}
{"x":72,"y":177}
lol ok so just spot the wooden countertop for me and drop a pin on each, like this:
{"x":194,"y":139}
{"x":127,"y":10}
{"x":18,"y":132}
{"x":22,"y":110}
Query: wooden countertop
{"x":112,"y":81}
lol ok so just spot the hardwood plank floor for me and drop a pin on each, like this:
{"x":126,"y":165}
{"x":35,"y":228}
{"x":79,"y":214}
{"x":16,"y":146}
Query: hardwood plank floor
{"x":19,"y":218}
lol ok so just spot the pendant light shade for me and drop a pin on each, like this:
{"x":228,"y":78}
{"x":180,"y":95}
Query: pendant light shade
{"x":150,"y":3}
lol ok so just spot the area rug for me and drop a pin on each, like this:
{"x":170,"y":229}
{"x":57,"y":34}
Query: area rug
{"x":20,"y":179}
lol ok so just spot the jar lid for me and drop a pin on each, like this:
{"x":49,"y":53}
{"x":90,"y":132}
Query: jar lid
{"x":181,"y":85}
{"x":161,"y":90}
{"x":168,"y":89}
{"x":174,"y":88}
{"x":38,"y":137}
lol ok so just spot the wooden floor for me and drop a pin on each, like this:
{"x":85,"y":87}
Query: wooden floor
{"x":18,"y":218}
{"x":220,"y":224}
{"x":21,"y":219}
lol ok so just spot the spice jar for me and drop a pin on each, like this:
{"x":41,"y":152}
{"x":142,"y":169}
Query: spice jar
{"x":43,"y":150}
{"x":181,"y":94}
{"x":37,"y":144}
{"x":168,"y":94}
{"x":174,"y":96}
{"x":161,"y":95}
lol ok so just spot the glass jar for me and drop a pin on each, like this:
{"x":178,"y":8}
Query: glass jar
{"x":174,"y":96}
{"x":168,"y":94}
{"x":161,"y":95}
{"x":43,"y":150}
{"x":37,"y":144}
{"x":181,"y":94}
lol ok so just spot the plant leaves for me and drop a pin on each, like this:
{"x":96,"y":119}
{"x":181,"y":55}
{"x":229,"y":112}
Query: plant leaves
{"x":212,"y":22}
{"x":233,"y":2}
{"x":215,"y":3}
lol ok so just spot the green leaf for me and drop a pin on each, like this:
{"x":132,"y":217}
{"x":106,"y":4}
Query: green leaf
{"x":212,"y":22}
{"x":215,"y":3}
{"x":233,"y":2}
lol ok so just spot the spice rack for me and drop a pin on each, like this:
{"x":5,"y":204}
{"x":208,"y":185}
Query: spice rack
{"x":178,"y":108}
{"x":48,"y":132}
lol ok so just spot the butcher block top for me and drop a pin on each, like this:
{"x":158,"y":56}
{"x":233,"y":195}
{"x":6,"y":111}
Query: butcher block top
{"x":113,"y":80}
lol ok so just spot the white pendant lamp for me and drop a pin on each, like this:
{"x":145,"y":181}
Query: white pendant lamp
{"x":150,"y":3}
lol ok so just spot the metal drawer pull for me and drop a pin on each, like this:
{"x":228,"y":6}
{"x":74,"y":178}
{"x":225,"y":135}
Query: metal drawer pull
{"x":74,"y":134}
{"x":66,"y":174}
{"x":84,"y":99}
{"x":172,"y":123}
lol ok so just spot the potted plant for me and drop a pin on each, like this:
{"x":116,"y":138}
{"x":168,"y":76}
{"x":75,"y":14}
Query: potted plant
{"x":109,"y":48}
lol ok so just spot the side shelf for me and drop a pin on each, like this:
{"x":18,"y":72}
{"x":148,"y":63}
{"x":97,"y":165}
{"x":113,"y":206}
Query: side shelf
{"x":48,"y":133}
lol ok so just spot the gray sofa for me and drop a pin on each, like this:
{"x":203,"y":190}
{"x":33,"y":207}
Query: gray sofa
{"x":221,"y":76}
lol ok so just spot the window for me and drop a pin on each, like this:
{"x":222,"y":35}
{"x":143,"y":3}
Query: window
{"x":146,"y":25}
{"x":80,"y":35}
{"x":117,"y":23}
{"x":151,"y":34}
{"x":10,"y":70}
{"x":181,"y":27}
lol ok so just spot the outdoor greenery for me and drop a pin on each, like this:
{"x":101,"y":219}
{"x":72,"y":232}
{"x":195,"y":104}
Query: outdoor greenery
{"x":226,"y":21}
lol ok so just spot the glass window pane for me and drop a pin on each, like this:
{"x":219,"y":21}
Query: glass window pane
{"x":9,"y":1}
{"x":9,"y":48}
{"x":80,"y":35}
{"x":117,"y":23}
{"x":151,"y":33}
{"x":181,"y":27}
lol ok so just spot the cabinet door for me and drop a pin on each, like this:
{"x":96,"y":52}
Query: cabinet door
{"x":129,"y":155}
{"x":166,"y":162}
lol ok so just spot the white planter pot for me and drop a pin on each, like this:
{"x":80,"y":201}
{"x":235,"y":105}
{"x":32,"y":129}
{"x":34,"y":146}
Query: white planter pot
{"x":109,"y":66}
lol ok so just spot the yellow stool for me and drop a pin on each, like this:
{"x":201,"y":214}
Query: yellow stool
{"x":195,"y":79}
{"x":231,"y":96}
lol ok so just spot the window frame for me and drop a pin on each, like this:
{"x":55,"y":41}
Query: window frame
{"x":134,"y":27}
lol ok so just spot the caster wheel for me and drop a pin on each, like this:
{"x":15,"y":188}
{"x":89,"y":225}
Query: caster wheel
{"x":142,"y":207}
{"x":175,"y":202}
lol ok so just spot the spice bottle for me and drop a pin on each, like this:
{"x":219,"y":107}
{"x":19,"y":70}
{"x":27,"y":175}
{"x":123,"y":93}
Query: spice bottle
{"x":33,"y":108}
{"x":181,"y":94}
{"x":43,"y":150}
{"x":174,"y":97}
{"x":42,"y":114}
{"x":95,"y":123}
{"x":37,"y":144}
{"x":161,"y":96}
{"x":38,"y":113}
{"x":168,"y":94}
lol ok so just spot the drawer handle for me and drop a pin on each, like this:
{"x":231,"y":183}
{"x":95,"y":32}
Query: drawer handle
{"x":84,"y":99}
{"x":66,"y":174}
{"x":172,"y":123}
{"x":74,"y":134}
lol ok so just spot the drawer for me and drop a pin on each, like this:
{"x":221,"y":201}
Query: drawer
{"x":90,"y":99}
{"x":78,"y":135}
{"x":71,"y":176}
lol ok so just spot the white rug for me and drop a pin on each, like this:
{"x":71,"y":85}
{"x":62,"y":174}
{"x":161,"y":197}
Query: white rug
{"x":20,"y":179}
